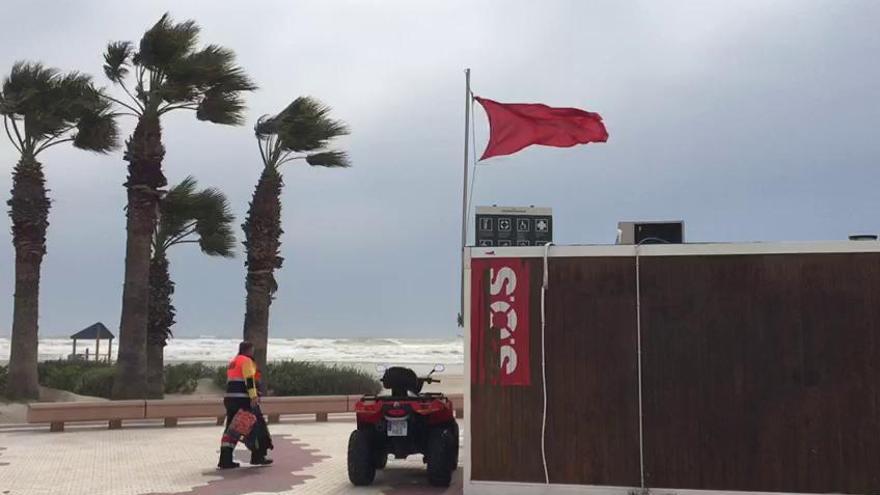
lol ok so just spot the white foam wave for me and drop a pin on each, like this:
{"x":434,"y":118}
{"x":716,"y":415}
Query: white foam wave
{"x":354,"y":350}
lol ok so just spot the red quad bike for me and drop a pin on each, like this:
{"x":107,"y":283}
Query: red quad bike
{"x":404,"y":423}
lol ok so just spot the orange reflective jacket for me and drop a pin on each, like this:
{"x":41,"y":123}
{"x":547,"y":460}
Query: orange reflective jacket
{"x":241,"y":377}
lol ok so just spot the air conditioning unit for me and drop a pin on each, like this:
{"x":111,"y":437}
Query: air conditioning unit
{"x":665,"y":232}
{"x":863,"y":237}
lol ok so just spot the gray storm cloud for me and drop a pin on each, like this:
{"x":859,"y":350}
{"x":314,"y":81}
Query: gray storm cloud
{"x":750,"y":120}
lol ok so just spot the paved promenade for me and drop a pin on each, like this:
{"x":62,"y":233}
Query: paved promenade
{"x":148,"y":459}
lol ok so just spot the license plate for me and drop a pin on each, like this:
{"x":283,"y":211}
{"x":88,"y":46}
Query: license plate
{"x":397,"y":428}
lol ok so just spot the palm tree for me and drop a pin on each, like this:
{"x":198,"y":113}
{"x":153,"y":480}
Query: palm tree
{"x":302,"y":131}
{"x":185,"y":216}
{"x":41,"y":108}
{"x":168,"y":74}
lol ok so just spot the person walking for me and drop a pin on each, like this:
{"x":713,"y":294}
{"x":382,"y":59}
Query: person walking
{"x":242,"y":382}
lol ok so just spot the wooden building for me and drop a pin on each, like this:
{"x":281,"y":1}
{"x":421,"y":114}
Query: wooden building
{"x":693,"y":368}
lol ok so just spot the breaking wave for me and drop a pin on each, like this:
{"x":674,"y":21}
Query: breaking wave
{"x":339,"y":350}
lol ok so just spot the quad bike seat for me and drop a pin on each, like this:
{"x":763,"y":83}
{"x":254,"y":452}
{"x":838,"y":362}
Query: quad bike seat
{"x":401,"y":381}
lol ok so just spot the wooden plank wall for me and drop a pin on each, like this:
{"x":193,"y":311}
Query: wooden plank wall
{"x":761,"y":372}
{"x":592,"y":385}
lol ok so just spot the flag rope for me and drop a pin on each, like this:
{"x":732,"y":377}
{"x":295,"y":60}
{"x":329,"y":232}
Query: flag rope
{"x":474,"y":172}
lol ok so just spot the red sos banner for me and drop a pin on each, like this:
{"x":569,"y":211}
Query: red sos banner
{"x":500,"y":321}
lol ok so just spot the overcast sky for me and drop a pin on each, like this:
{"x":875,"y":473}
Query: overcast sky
{"x":750,"y":120}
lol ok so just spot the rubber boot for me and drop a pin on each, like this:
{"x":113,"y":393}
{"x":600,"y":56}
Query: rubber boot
{"x":259,"y":458}
{"x":226,"y":461}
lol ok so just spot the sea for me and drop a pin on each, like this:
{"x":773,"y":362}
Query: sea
{"x":360,"y":352}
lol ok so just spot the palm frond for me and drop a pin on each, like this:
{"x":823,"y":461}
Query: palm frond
{"x":330,"y":159}
{"x":175,"y":210}
{"x":266,"y":126}
{"x":74,"y":95}
{"x":25,"y":87}
{"x":305,"y":126}
{"x":170,"y":73}
{"x":214,"y":224}
{"x":166,"y":43}
{"x":116,"y":60}
{"x":97,"y":131}
{"x":57,"y":107}
{"x":221,"y":107}
{"x":189,"y":215}
{"x":211,"y":78}
{"x":200,"y":69}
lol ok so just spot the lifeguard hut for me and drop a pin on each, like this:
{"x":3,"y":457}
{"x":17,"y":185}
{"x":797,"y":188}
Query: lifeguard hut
{"x":96,"y":332}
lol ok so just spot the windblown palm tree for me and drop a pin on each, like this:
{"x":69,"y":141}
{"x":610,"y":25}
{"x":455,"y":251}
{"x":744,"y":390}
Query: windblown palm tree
{"x":168,"y":74}
{"x":185,"y":216}
{"x":41,"y":108}
{"x":302,"y":131}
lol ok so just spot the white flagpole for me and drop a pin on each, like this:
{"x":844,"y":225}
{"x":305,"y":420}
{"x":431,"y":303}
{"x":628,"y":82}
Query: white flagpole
{"x":464,"y":191}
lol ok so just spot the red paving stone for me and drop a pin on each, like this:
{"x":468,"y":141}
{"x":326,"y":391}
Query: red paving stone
{"x":290,"y":456}
{"x":310,"y":458}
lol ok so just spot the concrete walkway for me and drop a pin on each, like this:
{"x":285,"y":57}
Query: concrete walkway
{"x":146,"y":459}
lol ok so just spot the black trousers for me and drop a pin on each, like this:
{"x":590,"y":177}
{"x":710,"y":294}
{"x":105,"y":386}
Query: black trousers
{"x":260,"y":441}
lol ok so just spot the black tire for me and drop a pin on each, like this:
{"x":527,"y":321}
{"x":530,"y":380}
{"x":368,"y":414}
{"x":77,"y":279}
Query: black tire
{"x":361,"y":470}
{"x":380,"y":459}
{"x":455,"y":447}
{"x":440,"y":456}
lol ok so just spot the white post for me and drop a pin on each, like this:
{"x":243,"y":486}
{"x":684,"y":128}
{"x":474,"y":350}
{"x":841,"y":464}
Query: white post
{"x":464,"y":191}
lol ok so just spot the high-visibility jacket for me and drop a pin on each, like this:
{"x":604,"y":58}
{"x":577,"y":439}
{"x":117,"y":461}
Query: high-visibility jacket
{"x":242,"y":377}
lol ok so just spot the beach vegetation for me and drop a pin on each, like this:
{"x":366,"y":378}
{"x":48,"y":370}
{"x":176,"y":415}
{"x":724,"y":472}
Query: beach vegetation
{"x":96,"y":378}
{"x":183,"y":378}
{"x":2,"y":381}
{"x":77,"y":376}
{"x":96,"y":382}
{"x":292,"y":378}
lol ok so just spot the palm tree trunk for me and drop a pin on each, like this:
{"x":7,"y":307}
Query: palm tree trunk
{"x":29,"y":210}
{"x":262,"y":229}
{"x":155,"y":370}
{"x":256,"y":316}
{"x":144,"y":154}
{"x":161,"y":319}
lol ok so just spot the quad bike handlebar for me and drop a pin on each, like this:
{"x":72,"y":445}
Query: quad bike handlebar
{"x":401,"y":380}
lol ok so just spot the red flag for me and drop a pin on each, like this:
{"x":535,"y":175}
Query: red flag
{"x":513,"y":126}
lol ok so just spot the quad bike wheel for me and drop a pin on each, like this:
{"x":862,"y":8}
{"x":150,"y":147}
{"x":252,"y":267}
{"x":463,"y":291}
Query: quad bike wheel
{"x":361,"y":459}
{"x":440,"y":456}
{"x":380,"y":459}
{"x":455,"y":446}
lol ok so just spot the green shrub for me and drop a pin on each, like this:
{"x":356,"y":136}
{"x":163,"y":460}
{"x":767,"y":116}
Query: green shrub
{"x":66,"y":375}
{"x":80,"y":377}
{"x":2,"y":380}
{"x":184,"y":378}
{"x":96,"y":382}
{"x":284,"y":378}
{"x":304,"y":378}
{"x":220,"y":377}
